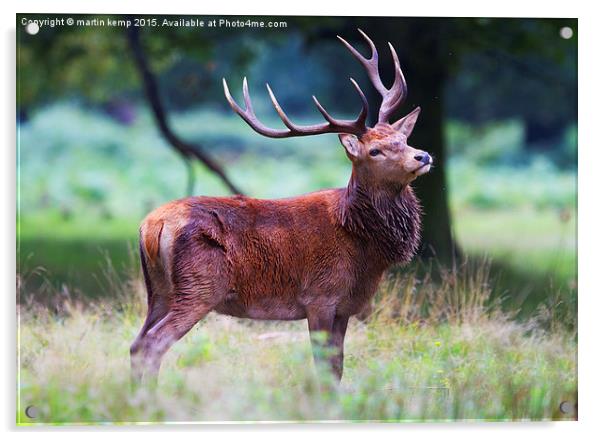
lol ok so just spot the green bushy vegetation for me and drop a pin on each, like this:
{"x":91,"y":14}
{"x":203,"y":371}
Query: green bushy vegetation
{"x":502,"y":142}
{"x":535,"y":185}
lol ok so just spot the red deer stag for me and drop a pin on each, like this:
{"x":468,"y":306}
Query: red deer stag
{"x":318,"y":256}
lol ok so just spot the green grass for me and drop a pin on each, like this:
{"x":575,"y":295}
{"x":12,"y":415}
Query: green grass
{"x":533,"y":253}
{"x":531,"y":241}
{"x":428,"y":352}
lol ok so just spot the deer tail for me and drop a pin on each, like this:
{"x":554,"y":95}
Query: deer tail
{"x":150,"y":237}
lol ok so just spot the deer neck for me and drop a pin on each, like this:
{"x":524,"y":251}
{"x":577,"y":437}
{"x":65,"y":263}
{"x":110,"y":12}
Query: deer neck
{"x":385,"y":218}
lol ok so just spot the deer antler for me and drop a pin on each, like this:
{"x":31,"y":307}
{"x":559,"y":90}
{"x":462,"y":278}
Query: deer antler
{"x":332,"y":125}
{"x":393,"y":97}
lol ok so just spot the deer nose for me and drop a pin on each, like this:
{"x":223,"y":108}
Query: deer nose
{"x":423,"y":157}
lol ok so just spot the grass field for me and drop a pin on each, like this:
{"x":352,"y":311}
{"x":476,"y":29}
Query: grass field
{"x":428,"y":352}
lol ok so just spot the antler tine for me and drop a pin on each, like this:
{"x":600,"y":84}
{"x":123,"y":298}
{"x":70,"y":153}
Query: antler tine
{"x":392,"y":97}
{"x":399,"y":74}
{"x":370,"y":64}
{"x":396,"y":93}
{"x":332,"y":125}
{"x":361,"y":117}
{"x":279,"y":110}
{"x":246,"y":96}
{"x":248,"y":115}
{"x":323,"y":110}
{"x":230,"y":100}
{"x":401,"y":98}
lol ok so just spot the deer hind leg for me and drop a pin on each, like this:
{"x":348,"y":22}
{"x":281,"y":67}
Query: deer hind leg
{"x":196,"y":284}
{"x":160,"y":337}
{"x":166,"y":323}
{"x":157,"y":285}
{"x":156,"y":313}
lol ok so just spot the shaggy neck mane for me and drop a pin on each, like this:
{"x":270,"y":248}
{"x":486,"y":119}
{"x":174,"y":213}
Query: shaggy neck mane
{"x":388,"y":219}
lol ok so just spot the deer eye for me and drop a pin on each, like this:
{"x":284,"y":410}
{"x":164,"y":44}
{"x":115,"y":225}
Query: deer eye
{"x":374,"y":152}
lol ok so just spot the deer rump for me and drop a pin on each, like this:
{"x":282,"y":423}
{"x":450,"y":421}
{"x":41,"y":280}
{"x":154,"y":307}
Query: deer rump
{"x":259,"y":259}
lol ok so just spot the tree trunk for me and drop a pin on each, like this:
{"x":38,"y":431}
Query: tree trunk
{"x":432,"y":188}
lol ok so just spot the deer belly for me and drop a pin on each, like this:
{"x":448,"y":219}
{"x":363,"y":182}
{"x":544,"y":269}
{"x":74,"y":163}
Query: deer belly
{"x":269,"y":309}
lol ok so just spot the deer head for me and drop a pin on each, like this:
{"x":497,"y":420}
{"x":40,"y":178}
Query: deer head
{"x":380,"y":154}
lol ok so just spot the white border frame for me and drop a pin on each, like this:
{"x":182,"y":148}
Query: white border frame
{"x":589,"y":220}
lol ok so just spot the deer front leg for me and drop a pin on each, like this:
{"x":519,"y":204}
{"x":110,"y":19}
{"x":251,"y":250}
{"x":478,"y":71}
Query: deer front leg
{"x":339,"y":329}
{"x":327,"y":332}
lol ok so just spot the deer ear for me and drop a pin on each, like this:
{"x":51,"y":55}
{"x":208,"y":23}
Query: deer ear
{"x":351,"y":144}
{"x":406,"y":124}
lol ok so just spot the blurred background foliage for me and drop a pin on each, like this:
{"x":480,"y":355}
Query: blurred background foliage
{"x":499,"y":115}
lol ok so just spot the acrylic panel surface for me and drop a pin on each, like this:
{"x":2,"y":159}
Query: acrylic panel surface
{"x":120,"y":115}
